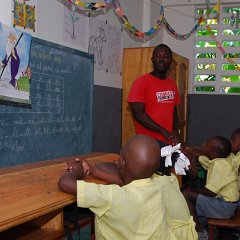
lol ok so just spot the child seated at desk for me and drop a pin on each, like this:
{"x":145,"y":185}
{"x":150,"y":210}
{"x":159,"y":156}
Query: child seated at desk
{"x":137,"y":210}
{"x":219,"y":197}
{"x":178,"y":216}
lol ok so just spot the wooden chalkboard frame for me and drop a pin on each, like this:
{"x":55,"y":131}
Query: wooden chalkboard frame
{"x":68,"y":135}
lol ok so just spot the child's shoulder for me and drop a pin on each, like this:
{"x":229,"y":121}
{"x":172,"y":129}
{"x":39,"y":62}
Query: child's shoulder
{"x":221,"y":163}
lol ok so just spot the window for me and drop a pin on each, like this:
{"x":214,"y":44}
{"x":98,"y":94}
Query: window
{"x":217,"y":51}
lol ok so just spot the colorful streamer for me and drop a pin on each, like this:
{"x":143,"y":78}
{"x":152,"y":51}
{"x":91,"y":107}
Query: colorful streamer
{"x":90,"y":6}
{"x":161,"y":21}
{"x":81,"y":5}
{"x":220,"y":48}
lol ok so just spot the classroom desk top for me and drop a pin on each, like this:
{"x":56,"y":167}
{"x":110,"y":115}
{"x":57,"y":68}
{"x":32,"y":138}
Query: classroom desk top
{"x":31,"y":191}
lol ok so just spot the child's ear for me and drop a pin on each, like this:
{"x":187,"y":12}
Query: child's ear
{"x":123,"y":162}
{"x":233,"y":139}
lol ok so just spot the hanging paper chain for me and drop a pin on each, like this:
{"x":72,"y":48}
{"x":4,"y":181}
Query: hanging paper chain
{"x":162,"y":20}
{"x":90,"y":6}
{"x":221,"y":49}
{"x":132,"y":29}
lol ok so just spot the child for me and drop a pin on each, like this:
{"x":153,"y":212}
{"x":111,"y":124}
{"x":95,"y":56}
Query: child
{"x":218,"y":199}
{"x":178,"y":215}
{"x":234,"y":157}
{"x":179,"y":218}
{"x":135,"y":211}
{"x":235,"y":141}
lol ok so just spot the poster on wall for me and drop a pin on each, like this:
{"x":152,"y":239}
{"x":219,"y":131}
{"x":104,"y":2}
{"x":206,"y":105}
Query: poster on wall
{"x":76,"y":28}
{"x":24,"y":15}
{"x":105,"y":43}
{"x":14,"y":70}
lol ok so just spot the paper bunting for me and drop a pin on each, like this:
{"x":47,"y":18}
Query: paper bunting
{"x":220,"y":48}
{"x":81,"y":5}
{"x":90,"y":6}
{"x":161,"y":21}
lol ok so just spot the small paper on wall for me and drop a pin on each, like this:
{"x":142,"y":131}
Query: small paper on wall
{"x":76,"y":28}
{"x":24,"y":15}
{"x":105,"y":43}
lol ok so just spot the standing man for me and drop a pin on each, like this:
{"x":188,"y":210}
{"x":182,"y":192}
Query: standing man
{"x":153,"y":98}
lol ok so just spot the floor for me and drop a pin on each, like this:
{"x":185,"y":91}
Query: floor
{"x":84,"y":234}
{"x":228,"y":234}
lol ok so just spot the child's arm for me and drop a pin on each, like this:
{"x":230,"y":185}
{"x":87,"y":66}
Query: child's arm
{"x":193,"y":154}
{"x":205,"y":191}
{"x":68,"y":182}
{"x":111,"y":176}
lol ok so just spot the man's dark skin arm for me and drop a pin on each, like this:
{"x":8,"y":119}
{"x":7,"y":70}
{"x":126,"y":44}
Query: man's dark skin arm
{"x":175,"y":122}
{"x":139,"y":114}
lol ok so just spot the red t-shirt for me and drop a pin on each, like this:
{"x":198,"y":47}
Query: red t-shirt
{"x":159,"y":97}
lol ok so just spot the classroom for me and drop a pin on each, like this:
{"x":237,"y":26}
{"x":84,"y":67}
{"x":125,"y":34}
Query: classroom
{"x":83,"y":59}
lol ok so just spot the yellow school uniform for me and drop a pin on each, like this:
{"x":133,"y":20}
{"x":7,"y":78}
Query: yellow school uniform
{"x":221,"y":179}
{"x":178,"y":215}
{"x":136,"y":211}
{"x":235,"y":162}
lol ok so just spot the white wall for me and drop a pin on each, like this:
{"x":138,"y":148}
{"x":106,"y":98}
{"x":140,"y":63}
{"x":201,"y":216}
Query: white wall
{"x":6,"y":11}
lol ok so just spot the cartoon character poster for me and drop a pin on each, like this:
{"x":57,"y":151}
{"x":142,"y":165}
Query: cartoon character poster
{"x":14,"y":70}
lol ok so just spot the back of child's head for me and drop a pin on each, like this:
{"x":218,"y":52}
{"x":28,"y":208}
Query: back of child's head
{"x":217,"y":147}
{"x":235,"y":140}
{"x":139,"y":158}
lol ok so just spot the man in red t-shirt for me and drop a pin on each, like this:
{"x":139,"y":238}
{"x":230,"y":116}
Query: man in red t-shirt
{"x":153,"y":98}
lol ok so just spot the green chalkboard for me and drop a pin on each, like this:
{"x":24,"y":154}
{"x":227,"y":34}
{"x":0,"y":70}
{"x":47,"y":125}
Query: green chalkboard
{"x":58,"y":122}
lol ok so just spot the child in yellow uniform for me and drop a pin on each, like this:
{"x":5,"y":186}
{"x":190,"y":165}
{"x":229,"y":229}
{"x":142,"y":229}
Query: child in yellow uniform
{"x":219,"y":197}
{"x":234,"y":157}
{"x":178,"y":216}
{"x":135,"y":211}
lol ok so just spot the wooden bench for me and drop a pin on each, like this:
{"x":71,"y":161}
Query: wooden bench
{"x":233,"y":222}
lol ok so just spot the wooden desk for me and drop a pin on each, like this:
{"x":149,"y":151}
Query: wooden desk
{"x":31,"y":205}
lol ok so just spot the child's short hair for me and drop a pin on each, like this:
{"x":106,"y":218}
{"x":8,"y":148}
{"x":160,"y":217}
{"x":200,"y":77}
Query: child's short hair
{"x":235,"y":133}
{"x":223,"y":149}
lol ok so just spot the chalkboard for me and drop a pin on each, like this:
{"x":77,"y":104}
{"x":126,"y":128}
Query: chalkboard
{"x":58,"y":122}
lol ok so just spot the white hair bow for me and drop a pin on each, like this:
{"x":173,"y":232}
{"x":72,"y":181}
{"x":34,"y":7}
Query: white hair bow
{"x":182,"y":162}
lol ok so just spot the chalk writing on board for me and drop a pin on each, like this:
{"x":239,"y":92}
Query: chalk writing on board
{"x":35,"y":127}
{"x":58,"y":122}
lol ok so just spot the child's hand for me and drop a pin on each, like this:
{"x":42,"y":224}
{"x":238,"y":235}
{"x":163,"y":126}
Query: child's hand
{"x":71,"y":163}
{"x":87,"y":167}
{"x":75,"y":167}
